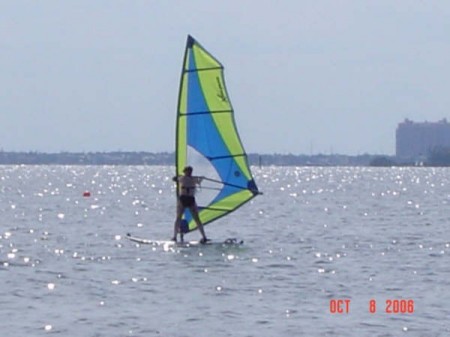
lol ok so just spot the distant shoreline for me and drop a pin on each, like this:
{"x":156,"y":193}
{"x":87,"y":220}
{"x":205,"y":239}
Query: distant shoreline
{"x":167,"y":158}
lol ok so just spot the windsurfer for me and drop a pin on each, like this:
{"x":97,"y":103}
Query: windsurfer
{"x":186,"y":199}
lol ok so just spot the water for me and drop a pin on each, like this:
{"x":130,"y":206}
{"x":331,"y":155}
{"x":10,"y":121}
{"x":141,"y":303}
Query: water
{"x":317,"y":235}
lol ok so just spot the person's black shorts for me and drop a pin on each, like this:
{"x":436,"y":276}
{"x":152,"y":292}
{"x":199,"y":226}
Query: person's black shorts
{"x":187,"y":200}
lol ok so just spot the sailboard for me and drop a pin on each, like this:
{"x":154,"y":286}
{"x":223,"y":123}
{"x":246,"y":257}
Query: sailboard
{"x":185,"y":244}
{"x":206,"y":128}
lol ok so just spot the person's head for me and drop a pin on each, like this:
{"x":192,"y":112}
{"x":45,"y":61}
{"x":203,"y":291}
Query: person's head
{"x":188,"y":170}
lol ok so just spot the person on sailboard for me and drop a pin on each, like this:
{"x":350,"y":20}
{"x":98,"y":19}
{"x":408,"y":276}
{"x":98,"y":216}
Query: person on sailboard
{"x":186,"y":199}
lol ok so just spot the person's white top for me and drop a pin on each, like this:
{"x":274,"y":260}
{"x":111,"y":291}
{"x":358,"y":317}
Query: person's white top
{"x":188,"y":184}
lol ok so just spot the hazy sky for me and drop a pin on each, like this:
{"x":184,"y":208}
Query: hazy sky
{"x":303,"y":76}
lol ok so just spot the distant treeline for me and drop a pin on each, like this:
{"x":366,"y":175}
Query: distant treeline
{"x":438,"y":157}
{"x":89,"y":158}
{"x":311,"y":160}
{"x":166,"y":158}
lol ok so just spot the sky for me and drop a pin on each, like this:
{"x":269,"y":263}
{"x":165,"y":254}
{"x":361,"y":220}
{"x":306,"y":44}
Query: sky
{"x":304,"y":77}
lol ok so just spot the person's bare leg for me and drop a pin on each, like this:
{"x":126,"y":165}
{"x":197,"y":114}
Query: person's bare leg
{"x":176,"y":229}
{"x":194,"y":213}
{"x":177,"y":225}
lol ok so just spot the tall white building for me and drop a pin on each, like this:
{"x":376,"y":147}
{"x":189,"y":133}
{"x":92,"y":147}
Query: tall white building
{"x":416,"y":140}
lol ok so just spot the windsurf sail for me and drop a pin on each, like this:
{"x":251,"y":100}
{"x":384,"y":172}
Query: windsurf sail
{"x":205,"y":124}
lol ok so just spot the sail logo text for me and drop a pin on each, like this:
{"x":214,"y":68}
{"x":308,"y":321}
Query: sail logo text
{"x":221,"y":93}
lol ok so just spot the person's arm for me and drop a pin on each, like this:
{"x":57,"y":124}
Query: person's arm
{"x":175,"y":179}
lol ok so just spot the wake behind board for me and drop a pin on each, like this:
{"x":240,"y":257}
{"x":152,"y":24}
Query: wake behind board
{"x":227,"y":242}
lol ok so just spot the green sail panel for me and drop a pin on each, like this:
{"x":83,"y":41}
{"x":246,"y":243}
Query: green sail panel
{"x":205,"y":123}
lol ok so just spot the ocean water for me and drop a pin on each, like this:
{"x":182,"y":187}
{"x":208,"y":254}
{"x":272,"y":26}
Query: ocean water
{"x":321,"y":247}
